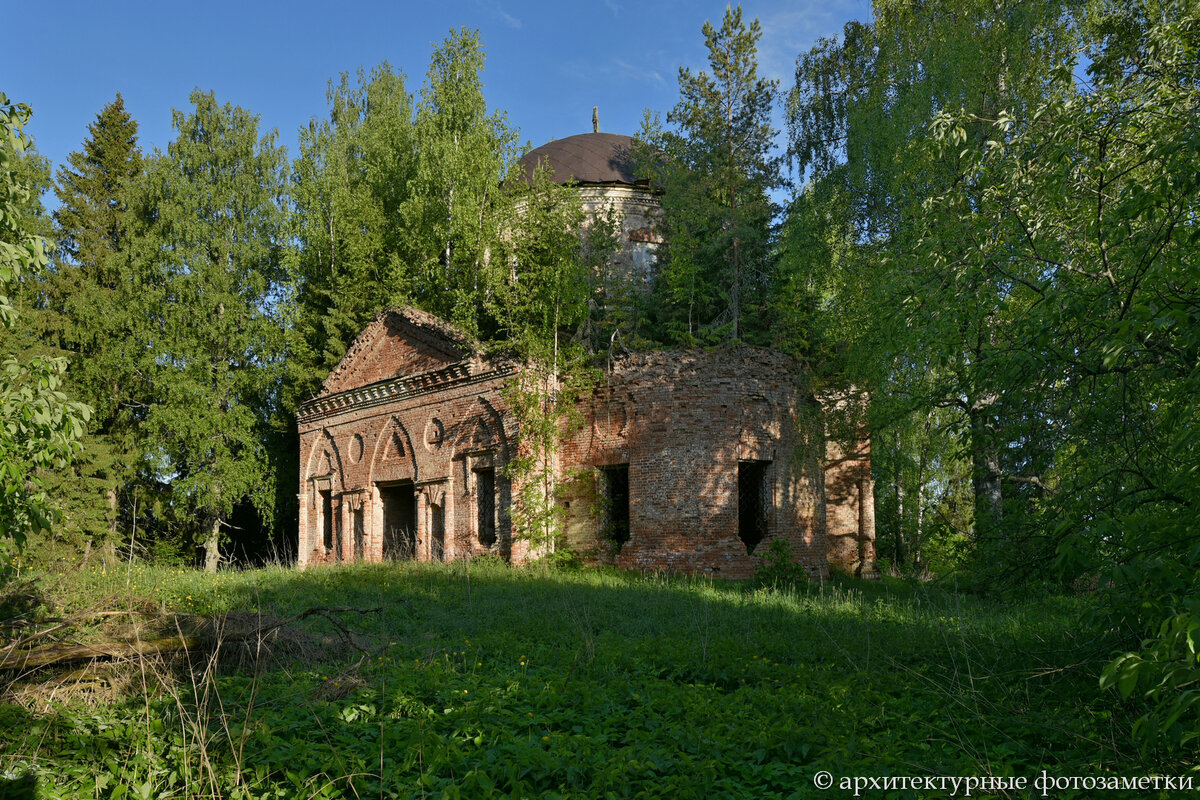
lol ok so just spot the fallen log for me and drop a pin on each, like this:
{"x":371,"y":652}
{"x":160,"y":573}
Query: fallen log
{"x":59,"y":652}
{"x":206,"y":632}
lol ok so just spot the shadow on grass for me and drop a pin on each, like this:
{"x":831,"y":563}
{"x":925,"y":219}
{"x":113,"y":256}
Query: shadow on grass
{"x":23,"y":788}
{"x":491,"y":679}
{"x":849,"y":623}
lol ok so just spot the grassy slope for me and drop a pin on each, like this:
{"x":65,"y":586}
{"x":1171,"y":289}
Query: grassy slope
{"x":585,"y":684}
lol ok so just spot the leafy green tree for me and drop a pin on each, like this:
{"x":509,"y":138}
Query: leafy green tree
{"x":919,"y":332}
{"x":717,"y":170}
{"x":539,"y":281}
{"x":212,"y":258}
{"x":462,"y":154}
{"x":395,"y":205}
{"x":90,"y":312}
{"x":1033,"y":236}
{"x":541,"y":275}
{"x":348,"y":186}
{"x":40,"y":426}
{"x":923,"y":510}
{"x":1095,"y":200}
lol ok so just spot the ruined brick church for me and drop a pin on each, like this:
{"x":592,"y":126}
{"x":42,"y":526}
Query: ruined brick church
{"x":687,"y":460}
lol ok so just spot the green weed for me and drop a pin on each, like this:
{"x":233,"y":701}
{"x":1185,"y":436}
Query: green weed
{"x":584,"y":683}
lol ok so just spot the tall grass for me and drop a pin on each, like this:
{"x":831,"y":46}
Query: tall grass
{"x":483,"y":680}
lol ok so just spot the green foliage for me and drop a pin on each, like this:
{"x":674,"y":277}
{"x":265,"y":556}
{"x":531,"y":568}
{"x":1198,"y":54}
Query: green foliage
{"x":584,"y":684}
{"x":395,"y":205}
{"x":1030,"y":239}
{"x":780,"y":566}
{"x":541,"y":277}
{"x":92,"y":218}
{"x":211,"y":258}
{"x":91,"y":313}
{"x":453,"y":213}
{"x":39,"y":426}
{"x":919,"y":326}
{"x":533,"y":397}
{"x":924,"y":510}
{"x":716,"y":170}
{"x":349,"y":185}
{"x":1094,"y":200}
{"x":563,"y":559}
{"x":1163,"y":673}
{"x":541,"y":284}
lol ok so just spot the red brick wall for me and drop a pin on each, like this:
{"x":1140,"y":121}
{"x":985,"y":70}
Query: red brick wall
{"x":849,"y":488}
{"x":396,"y":344}
{"x":433,"y":440}
{"x":850,"y":505}
{"x":681,"y":420}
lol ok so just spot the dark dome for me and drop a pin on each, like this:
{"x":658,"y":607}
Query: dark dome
{"x":585,"y":158}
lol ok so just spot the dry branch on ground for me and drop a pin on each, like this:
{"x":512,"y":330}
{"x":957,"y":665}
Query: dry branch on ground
{"x":168,"y":634}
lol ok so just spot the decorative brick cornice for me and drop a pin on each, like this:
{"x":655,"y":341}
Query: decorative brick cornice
{"x":461,"y":373}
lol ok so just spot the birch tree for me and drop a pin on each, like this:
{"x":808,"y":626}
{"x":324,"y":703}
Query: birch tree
{"x":921,"y":330}
{"x":40,"y":426}
{"x":349,"y":184}
{"x":463,"y":153}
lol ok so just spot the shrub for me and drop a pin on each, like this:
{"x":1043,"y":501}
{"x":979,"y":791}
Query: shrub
{"x":780,"y":566}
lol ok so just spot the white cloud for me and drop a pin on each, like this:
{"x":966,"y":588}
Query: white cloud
{"x":505,"y":17}
{"x":789,"y":31}
{"x":623,"y":69}
{"x":617,"y":69}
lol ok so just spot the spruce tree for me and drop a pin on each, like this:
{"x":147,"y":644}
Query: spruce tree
{"x":91,"y":220}
{"x":717,"y":170}
{"x":92,"y":314}
{"x":212,"y":260}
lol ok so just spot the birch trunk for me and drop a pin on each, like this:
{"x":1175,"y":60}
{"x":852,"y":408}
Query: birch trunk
{"x":212,"y":545}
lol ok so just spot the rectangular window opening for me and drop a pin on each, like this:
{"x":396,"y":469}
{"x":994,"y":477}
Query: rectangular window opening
{"x":614,"y":499}
{"x":485,"y":506}
{"x":327,"y":518}
{"x":754,"y":502}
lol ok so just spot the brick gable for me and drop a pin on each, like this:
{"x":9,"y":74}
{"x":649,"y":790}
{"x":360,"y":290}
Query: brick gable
{"x":397,"y":343}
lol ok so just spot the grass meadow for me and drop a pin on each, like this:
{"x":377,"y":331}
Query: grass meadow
{"x":482,"y":680}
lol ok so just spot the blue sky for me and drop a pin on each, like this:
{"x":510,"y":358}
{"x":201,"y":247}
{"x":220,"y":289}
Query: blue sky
{"x":548,"y":63}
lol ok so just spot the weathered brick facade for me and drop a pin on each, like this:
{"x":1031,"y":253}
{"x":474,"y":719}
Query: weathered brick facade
{"x":687,"y":423}
{"x":409,"y":404}
{"x":691,"y":461}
